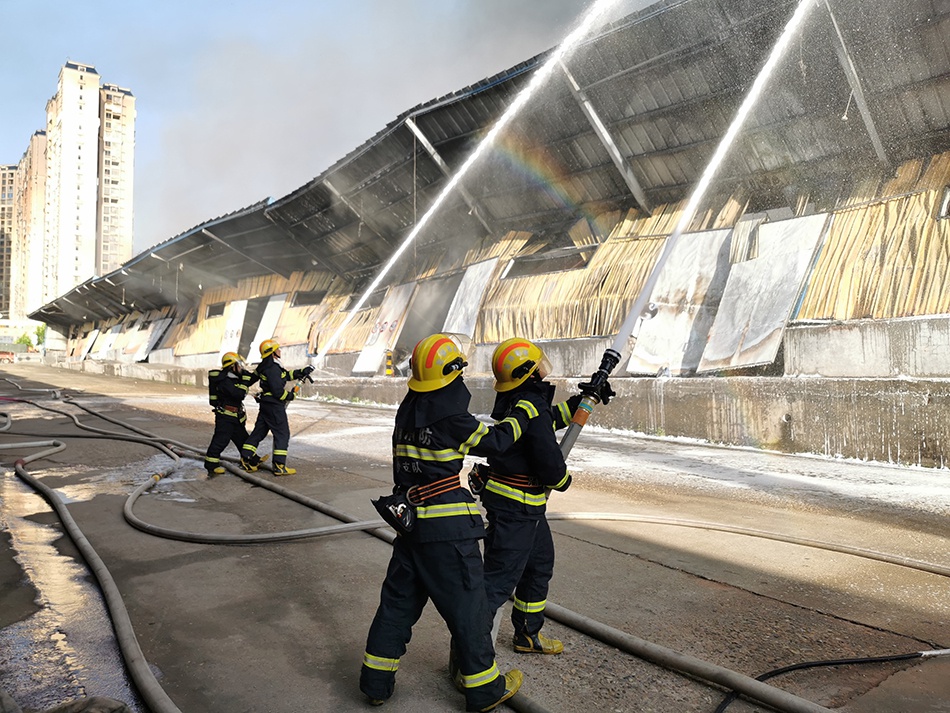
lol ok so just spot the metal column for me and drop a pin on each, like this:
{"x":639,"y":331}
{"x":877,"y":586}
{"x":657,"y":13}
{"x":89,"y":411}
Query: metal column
{"x":607,"y":140}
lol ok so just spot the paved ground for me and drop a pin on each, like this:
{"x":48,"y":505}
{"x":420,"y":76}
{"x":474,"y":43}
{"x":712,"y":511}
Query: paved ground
{"x":281,"y":627}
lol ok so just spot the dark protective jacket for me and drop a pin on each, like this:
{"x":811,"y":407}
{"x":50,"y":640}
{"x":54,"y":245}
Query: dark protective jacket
{"x":274,"y":378}
{"x":226,"y":390}
{"x":519,"y":477}
{"x":434,"y":432}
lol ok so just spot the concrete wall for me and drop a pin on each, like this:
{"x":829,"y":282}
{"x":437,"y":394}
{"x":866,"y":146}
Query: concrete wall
{"x":886,"y":420}
{"x":891,"y":421}
{"x":917,"y":347}
{"x":882,"y":415}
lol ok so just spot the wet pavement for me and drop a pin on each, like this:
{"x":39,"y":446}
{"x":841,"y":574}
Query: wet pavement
{"x":281,"y":627}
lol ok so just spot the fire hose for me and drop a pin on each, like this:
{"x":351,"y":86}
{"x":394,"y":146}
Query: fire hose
{"x":646,"y":650}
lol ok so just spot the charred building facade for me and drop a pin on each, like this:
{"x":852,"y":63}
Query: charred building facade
{"x":819,"y":250}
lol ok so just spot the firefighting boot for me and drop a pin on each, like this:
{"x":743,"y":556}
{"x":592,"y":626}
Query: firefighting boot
{"x":281,"y":469}
{"x":250,"y":464}
{"x":536,"y":644}
{"x":513,"y":680}
{"x":218,"y":471}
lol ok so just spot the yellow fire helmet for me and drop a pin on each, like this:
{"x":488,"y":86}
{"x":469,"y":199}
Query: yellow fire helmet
{"x":514,"y":360}
{"x":230,"y":359}
{"x":268,"y":347}
{"x":436,"y":361}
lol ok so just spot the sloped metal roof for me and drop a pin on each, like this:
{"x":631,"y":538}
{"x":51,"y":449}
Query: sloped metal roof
{"x":865,"y":85}
{"x":222,"y":251}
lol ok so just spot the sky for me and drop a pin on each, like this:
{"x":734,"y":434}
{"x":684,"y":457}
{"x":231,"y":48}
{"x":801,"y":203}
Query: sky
{"x":239,"y":101}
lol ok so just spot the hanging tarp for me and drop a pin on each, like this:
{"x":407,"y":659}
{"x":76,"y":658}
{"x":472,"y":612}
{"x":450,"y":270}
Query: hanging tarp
{"x":299,"y":314}
{"x":134,"y":336}
{"x":233,"y":323}
{"x":87,"y":344}
{"x":428,"y":311}
{"x":155,"y":331}
{"x":686,"y":295}
{"x":463,"y":312}
{"x":385,"y":332}
{"x":268,"y":324}
{"x":761,"y":294}
{"x":354,"y":333}
{"x":105,"y":342}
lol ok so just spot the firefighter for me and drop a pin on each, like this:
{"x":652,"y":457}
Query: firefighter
{"x":439,"y":559}
{"x":519,"y":549}
{"x":277,"y":390}
{"x":227,"y":388}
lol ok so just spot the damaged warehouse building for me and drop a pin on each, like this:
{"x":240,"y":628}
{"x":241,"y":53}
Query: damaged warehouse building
{"x":805,"y":308}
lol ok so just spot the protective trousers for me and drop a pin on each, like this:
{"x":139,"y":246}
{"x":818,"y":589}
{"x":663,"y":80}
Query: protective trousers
{"x":519,"y":557}
{"x":450,"y":574}
{"x":228,"y":428}
{"x":272,"y":417}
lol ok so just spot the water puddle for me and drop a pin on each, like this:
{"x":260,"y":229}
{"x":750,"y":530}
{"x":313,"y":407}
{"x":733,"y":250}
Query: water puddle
{"x":124,"y":480}
{"x":67,"y":649}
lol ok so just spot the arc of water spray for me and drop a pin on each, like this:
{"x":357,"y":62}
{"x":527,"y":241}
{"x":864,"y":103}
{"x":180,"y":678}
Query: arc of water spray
{"x":612,"y":355}
{"x":540,"y":75}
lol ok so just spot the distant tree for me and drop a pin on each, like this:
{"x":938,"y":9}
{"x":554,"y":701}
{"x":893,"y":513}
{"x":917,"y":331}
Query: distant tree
{"x":41,"y":334}
{"x":24,"y":339}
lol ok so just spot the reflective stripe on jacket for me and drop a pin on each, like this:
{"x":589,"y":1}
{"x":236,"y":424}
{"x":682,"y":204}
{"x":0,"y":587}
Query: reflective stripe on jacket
{"x":225,"y":388}
{"x":274,"y":378}
{"x":433,"y":433}
{"x":535,"y":457}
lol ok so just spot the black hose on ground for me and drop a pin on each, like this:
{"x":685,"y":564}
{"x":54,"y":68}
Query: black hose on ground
{"x":214,"y":539}
{"x":147,"y":685}
{"x":153,"y":441}
{"x":753,"y":688}
{"x":728,"y":700}
{"x":380,"y":531}
{"x":147,"y":438}
{"x":667,"y":658}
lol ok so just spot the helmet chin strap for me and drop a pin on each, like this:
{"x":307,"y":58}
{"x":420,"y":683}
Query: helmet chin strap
{"x":456,"y":364}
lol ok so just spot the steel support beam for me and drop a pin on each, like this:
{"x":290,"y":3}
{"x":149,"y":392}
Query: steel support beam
{"x":844,"y":59}
{"x":444,"y":167}
{"x":636,"y":190}
{"x":84,"y":311}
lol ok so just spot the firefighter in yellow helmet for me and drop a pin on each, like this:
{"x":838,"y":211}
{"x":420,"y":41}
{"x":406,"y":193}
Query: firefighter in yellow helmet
{"x":277,"y":390}
{"x":227,"y":388}
{"x":439,"y":558}
{"x":519,"y":549}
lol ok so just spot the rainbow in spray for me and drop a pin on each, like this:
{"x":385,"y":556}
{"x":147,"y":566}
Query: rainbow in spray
{"x":540,"y":76}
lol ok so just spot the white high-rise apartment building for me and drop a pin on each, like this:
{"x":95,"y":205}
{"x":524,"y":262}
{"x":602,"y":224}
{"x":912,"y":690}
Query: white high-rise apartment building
{"x":116,"y":153}
{"x":90,"y":142}
{"x":29,"y":230}
{"x":7,"y":226}
{"x":72,"y":183}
